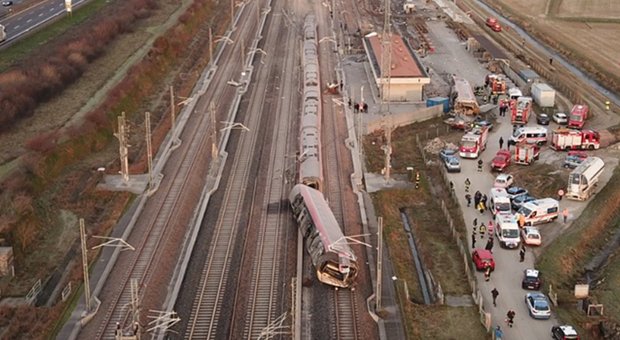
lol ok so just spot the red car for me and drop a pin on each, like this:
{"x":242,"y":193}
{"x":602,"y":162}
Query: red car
{"x":501,"y":160}
{"x":481,"y":258}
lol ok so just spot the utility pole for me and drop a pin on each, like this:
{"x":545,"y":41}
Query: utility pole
{"x":172,"y":108}
{"x":121,"y":135}
{"x":214,"y":150}
{"x":379,"y":262}
{"x":149,"y":147}
{"x":386,"y":78}
{"x":210,"y":45}
{"x":85,"y":265}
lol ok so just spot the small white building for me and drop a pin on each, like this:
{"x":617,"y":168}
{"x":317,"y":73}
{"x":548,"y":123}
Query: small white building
{"x":407,"y":76}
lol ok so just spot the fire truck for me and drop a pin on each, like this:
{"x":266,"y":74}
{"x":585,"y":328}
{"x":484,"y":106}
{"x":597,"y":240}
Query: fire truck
{"x":578,"y":116}
{"x":496,"y":83}
{"x":526,"y":153}
{"x":568,"y":139}
{"x":493,"y":24}
{"x":520,"y":110}
{"x":474,"y":142}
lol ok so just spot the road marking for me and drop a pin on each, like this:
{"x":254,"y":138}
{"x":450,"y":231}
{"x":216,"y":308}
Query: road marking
{"x":28,"y":21}
{"x":40,"y":14}
{"x":16,"y":27}
{"x":51,"y":9}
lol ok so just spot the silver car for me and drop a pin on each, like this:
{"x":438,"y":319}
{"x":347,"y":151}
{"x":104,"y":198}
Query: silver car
{"x":452,"y":163}
{"x":560,"y":118}
{"x":538,"y":305}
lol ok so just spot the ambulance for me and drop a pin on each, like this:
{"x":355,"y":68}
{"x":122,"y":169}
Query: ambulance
{"x":539,"y":211}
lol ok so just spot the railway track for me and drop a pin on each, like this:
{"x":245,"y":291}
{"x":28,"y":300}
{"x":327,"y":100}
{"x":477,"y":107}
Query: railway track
{"x":208,"y":305}
{"x":344,"y":307}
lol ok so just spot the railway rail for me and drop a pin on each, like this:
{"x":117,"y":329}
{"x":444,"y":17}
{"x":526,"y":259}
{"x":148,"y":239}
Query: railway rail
{"x":208,"y":306}
{"x":345,"y":309}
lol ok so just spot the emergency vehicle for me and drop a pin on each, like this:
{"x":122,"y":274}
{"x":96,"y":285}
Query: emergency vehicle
{"x":539,"y":211}
{"x":474,"y":142}
{"x":499,"y":201}
{"x":520,"y":110}
{"x":530,"y":134}
{"x":507,"y":231}
{"x":578,"y":116}
{"x":526,"y":153}
{"x":583,"y":179}
{"x":568,"y":139}
{"x":497,"y":84}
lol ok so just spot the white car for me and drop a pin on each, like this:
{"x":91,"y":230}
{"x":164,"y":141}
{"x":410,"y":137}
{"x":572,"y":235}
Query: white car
{"x":560,"y":118}
{"x":531,"y":236}
{"x":538,"y":305}
{"x":503,"y":181}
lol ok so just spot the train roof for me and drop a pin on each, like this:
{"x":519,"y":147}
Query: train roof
{"x":323,"y":219}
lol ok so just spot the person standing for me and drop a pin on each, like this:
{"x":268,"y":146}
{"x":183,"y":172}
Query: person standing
{"x":468,"y":199}
{"x":522,"y":253}
{"x":475,"y":223}
{"x":510,"y":317}
{"x":480,"y":165}
{"x":489,"y":245}
{"x":477,"y":197}
{"x":490,"y":228}
{"x":483,"y":230}
{"x":467,"y":184}
{"x":487,"y":272}
{"x":565,"y":214}
{"x":498,"y":333}
{"x":501,"y":142}
{"x":494,"y":294}
{"x":560,"y":194}
{"x":473,"y":239}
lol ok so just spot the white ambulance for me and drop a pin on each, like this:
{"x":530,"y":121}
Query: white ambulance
{"x":507,"y":231}
{"x":499,"y":201}
{"x":539,"y":211}
{"x":530,"y":134}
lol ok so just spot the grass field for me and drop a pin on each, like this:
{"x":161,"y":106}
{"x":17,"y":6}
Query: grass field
{"x":586,"y":30}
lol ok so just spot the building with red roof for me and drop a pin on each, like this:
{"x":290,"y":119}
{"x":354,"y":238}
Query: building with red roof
{"x":407,"y":75}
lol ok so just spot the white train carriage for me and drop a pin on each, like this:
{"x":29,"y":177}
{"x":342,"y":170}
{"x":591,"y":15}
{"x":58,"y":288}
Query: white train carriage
{"x":334,"y":261}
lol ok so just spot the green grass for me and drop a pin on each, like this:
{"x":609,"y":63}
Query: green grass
{"x":33,"y":42}
{"x":563,"y":261}
{"x":433,"y":237}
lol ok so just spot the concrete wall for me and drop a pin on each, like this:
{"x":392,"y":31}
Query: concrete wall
{"x":406,"y":118}
{"x":406,"y":93}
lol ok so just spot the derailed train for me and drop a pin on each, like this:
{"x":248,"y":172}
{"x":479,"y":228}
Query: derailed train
{"x":310,"y":166}
{"x":334,"y":261}
{"x":332,"y":257}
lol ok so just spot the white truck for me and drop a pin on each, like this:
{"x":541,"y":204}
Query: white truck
{"x":583,"y":179}
{"x":543,"y":95}
{"x":539,"y":211}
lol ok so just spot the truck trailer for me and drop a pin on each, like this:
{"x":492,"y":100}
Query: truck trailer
{"x":543,"y":95}
{"x":583,"y":179}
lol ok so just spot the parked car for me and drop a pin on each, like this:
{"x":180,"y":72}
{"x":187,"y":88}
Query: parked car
{"x":501,"y":160}
{"x":481,"y":258}
{"x":7,"y":3}
{"x":543,"y":119}
{"x":560,"y":118}
{"x":531,"y":236}
{"x":574,"y":158}
{"x":483,"y":122}
{"x":447,"y":152}
{"x":538,"y":305}
{"x":518,"y":201}
{"x":531,"y":279}
{"x":503,"y":181}
{"x":564,"y":332}
{"x":452,"y":163}
{"x":514,"y":192}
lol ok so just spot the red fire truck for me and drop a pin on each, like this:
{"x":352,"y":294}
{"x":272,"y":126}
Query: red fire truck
{"x":474,"y":142}
{"x":520,"y":110}
{"x":568,"y":139}
{"x":578,"y":116}
{"x":496,"y":83}
{"x":526,"y":153}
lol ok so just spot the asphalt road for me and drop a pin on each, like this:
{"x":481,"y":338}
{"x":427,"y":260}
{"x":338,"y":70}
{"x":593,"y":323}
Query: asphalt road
{"x":509,"y":271}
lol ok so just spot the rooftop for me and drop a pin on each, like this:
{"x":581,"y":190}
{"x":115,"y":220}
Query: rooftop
{"x":404,"y":62}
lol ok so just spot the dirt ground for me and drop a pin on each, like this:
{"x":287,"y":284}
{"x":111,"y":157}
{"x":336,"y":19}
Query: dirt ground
{"x":570,"y":25}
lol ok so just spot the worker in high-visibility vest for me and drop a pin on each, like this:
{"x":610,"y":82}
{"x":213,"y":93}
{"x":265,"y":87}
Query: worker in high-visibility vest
{"x":607,"y":105}
{"x":417,"y":179}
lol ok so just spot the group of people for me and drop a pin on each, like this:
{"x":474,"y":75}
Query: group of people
{"x":480,"y":199}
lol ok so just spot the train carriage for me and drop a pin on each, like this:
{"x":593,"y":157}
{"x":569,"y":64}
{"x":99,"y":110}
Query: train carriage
{"x":334,"y":261}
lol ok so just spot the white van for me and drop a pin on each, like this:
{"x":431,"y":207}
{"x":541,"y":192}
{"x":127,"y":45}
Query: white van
{"x":507,"y":231}
{"x":499,"y":201}
{"x":531,"y":134}
{"x":539,"y":211}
